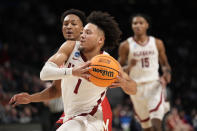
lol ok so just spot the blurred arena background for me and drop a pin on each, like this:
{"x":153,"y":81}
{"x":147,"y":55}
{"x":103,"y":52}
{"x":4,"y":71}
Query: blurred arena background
{"x":30,"y":32}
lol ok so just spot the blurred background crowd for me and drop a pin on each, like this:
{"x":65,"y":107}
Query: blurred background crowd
{"x":30,"y":32}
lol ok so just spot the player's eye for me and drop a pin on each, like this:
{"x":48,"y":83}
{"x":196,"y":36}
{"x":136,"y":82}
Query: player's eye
{"x":88,"y":32}
{"x":65,"y":24}
{"x":74,"y":24}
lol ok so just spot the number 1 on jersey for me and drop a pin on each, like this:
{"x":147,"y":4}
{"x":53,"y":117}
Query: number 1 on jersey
{"x":78,"y":82}
{"x":77,"y":86}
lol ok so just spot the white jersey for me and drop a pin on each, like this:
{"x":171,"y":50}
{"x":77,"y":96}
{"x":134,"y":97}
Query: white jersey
{"x":147,"y":65}
{"x":80,"y":97}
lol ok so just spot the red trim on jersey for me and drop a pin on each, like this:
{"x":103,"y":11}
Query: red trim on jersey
{"x":141,"y":120}
{"x":60,"y":121}
{"x":107,"y":113}
{"x":145,"y":120}
{"x":157,"y":107}
{"x":94,"y":110}
{"x":77,"y":86}
{"x":83,"y":57}
{"x":91,"y":113}
{"x":139,"y":43}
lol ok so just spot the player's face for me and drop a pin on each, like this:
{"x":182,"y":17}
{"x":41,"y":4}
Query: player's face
{"x":139,"y":25}
{"x":91,"y":38}
{"x":72,"y":27}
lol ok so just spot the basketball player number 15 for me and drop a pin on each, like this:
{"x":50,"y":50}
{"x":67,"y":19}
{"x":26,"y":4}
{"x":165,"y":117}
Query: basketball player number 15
{"x":145,"y":62}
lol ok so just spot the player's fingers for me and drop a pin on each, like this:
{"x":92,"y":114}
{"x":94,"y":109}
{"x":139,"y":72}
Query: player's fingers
{"x":118,"y":79}
{"x":120,"y":72}
{"x":15,"y":104}
{"x":11,"y":101}
{"x":14,"y":98}
{"x":86,"y":64}
{"x":86,"y":69}
{"x":86,"y":76}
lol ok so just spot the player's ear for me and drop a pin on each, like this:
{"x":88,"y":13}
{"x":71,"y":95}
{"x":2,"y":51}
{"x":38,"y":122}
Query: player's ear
{"x":101,"y":40}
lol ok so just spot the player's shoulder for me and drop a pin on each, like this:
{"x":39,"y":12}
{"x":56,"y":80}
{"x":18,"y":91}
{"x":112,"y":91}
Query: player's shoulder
{"x":67,"y":46}
{"x":159,"y":43}
{"x":69,"y":43}
{"x":158,"y":40}
{"x":124,"y":44}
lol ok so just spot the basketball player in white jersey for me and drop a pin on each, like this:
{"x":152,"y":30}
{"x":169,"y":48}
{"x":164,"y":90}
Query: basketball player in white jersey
{"x":141,"y":55}
{"x":72,"y":26}
{"x":82,"y":99}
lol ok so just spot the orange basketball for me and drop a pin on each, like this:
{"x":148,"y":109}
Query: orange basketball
{"x":104,"y":70}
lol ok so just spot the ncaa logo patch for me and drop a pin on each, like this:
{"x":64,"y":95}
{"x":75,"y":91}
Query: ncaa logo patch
{"x":77,"y":54}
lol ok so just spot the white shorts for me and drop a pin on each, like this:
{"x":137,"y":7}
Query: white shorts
{"x":148,"y":102}
{"x":83,"y":123}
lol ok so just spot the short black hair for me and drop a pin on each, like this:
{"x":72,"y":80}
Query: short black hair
{"x":76,"y":12}
{"x":146,"y":17}
{"x":108,"y":25}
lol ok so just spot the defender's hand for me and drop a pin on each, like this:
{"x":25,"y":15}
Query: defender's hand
{"x":22,"y":98}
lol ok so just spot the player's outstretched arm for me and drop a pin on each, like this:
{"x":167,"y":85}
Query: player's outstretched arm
{"x":51,"y":70}
{"x":128,"y":85}
{"x":47,"y":94}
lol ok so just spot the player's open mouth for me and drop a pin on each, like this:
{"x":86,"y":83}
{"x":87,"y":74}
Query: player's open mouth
{"x":69,"y":33}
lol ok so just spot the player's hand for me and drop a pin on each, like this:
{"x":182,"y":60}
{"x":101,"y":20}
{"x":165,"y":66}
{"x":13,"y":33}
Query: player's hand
{"x":82,"y":70}
{"x":120,"y":80}
{"x":22,"y":98}
{"x":163,"y":82}
{"x":128,"y":67}
{"x":167,"y":77}
{"x":133,"y":62}
{"x":127,"y":84}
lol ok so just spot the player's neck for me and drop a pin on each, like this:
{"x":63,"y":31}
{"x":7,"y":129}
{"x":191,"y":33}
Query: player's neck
{"x":90,"y":54}
{"x":141,"y":39}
